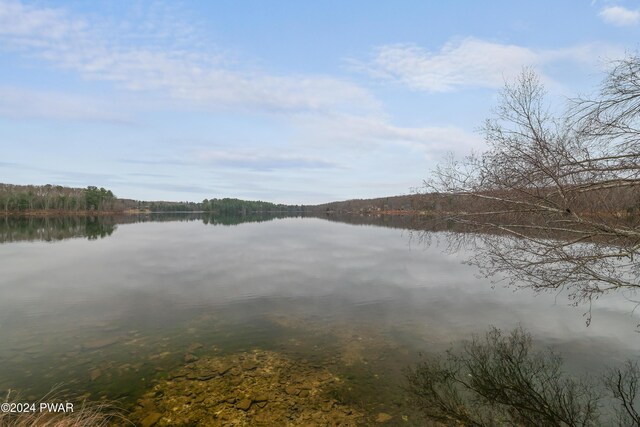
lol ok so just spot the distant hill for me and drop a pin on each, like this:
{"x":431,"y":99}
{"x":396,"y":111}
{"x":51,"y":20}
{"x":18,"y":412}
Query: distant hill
{"x":412,"y":203}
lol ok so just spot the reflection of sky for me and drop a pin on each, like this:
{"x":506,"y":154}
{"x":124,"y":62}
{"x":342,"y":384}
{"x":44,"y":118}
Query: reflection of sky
{"x":308,"y":267}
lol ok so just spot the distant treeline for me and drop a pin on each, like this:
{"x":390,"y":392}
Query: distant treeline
{"x":233,"y":206}
{"x":409,"y":203}
{"x":25,"y":199}
{"x":621,"y":202}
{"x":226,"y":206}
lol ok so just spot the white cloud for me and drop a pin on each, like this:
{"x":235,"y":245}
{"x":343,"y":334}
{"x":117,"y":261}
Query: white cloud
{"x":18,"y":103}
{"x":27,"y":24}
{"x":469,"y":62}
{"x":198,"y":77}
{"x":245,"y":159}
{"x":367,"y":133}
{"x":620,"y":16}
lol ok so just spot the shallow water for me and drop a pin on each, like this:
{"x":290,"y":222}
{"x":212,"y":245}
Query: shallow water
{"x":107,"y":307}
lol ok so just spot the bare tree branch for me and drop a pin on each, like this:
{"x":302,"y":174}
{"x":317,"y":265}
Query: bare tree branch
{"x":555,"y":200}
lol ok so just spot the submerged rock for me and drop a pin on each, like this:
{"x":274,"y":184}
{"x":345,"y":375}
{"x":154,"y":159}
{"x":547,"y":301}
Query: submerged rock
{"x":262,"y":397}
{"x":99,"y":343}
{"x":294,"y":391}
{"x":188,"y":358}
{"x":249,"y":365}
{"x":261,"y":388}
{"x":193,"y":347}
{"x":204,"y":376}
{"x":151,"y":419}
{"x":244,"y":404}
{"x":383,"y":417}
{"x":94,"y":374}
{"x":224,"y":368}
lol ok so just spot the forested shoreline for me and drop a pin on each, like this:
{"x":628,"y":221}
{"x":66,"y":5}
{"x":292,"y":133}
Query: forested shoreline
{"x":46,"y":200}
{"x":50,"y":198}
{"x":56,"y":200}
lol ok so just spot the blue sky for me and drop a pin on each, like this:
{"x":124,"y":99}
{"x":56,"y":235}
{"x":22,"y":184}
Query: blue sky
{"x":287,"y":101}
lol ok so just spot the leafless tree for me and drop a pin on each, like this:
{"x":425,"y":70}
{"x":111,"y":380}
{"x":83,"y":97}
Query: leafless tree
{"x":555,"y":198}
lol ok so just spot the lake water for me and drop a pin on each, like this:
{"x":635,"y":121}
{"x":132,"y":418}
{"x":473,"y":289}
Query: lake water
{"x":110,"y":308}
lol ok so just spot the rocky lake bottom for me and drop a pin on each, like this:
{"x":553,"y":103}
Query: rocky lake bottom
{"x":274,"y":370}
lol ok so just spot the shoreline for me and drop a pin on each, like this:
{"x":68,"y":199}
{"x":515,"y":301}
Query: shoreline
{"x":58,"y":213}
{"x":61,"y":213}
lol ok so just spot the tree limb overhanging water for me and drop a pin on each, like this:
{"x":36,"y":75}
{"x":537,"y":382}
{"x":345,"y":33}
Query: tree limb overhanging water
{"x":556,"y":199}
{"x":555,"y":203}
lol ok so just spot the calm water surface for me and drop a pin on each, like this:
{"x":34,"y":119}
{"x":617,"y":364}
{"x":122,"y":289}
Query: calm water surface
{"x":106,"y":308}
